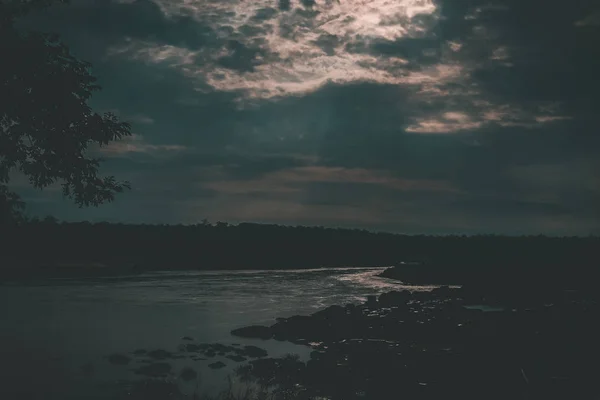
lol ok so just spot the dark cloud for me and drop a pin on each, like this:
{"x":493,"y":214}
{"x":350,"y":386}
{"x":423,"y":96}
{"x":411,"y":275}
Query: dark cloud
{"x":421,"y":51}
{"x":328,"y":43}
{"x":284,"y":5}
{"x":447,"y":116}
{"x":549,"y":58}
{"x":265,"y":13}
{"x":92,"y":26}
{"x":240,"y":57}
{"x":308,"y":3}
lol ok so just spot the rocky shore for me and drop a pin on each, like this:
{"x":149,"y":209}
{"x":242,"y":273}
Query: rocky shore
{"x":451,"y":342}
{"x":447,"y":343}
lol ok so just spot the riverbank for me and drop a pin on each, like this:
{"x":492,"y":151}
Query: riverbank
{"x":445,"y":343}
{"x":67,"y":329}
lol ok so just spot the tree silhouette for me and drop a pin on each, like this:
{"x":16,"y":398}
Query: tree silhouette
{"x":11,"y":207}
{"x":46,"y":125}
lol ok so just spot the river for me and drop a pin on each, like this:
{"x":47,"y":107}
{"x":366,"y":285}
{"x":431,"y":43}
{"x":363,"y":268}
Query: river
{"x":51,"y":328}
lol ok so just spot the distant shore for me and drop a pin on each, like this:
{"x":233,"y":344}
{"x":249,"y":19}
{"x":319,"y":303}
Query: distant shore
{"x":222,"y":246}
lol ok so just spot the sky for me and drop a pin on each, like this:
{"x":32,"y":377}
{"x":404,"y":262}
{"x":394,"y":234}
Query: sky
{"x":409,"y":116}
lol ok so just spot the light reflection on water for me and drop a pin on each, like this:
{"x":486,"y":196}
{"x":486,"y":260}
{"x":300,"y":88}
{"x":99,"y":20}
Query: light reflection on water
{"x":369,"y":279}
{"x":58,"y":325}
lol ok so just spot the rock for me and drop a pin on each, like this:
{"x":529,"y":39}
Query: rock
{"x":255,"y":352}
{"x":154,"y":369}
{"x":254,"y":331}
{"x":210,"y":353}
{"x":221,"y":348}
{"x":237,"y":358}
{"x":297,"y":327}
{"x":217,"y":365}
{"x":119,"y":359}
{"x":192,"y":348}
{"x":187,"y":338}
{"x":187,"y":374}
{"x":394,"y":298}
{"x":139,"y":352}
{"x":372,"y":301}
{"x":351,"y":308}
{"x":160,"y":354}
{"x":333,"y":312}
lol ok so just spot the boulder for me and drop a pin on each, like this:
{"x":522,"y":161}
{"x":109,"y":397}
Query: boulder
{"x":210,"y":353}
{"x":255,"y":352}
{"x":331,"y":313}
{"x":236,"y":358}
{"x":221,"y":348}
{"x":160,"y":354}
{"x":394,"y":298}
{"x":217,"y":365}
{"x":299,"y":327}
{"x":254,"y":332}
{"x":192,"y":348}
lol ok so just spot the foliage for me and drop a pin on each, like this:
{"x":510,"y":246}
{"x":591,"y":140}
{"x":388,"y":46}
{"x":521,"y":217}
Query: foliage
{"x":259,"y":246}
{"x":11,"y":207}
{"x":46,"y":124}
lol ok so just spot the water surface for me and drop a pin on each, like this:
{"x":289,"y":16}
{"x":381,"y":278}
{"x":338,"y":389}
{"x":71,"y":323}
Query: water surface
{"x":51,"y":328}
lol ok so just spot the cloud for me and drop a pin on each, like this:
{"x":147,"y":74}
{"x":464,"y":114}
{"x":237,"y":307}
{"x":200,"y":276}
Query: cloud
{"x":267,"y":54}
{"x":157,"y":54}
{"x":450,"y":122}
{"x":533,"y":116}
{"x":136,"y":144}
{"x":291,"y":180}
{"x":414,"y":115}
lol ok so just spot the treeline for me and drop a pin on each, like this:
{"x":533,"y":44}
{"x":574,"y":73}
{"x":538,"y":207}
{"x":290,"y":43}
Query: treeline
{"x":260,"y":246}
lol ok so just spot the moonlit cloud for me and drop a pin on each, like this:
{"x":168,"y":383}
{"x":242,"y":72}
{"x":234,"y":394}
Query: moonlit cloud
{"x":416,"y":116}
{"x":157,"y":54}
{"x":289,"y":58}
{"x":485,"y":113}
{"x":136,"y":144}
{"x":449,"y":122}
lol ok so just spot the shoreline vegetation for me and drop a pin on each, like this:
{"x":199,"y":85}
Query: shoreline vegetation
{"x":52,"y":248}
